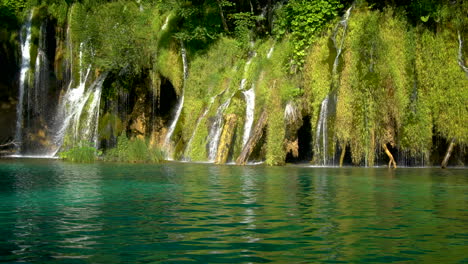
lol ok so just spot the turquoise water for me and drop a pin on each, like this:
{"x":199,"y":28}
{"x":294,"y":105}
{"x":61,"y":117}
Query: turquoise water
{"x":56,"y":212}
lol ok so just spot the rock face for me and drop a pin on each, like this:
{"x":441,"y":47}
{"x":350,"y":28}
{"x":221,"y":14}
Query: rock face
{"x":253,"y":140}
{"x":226,"y":139}
{"x":7,"y":120}
{"x":138,"y":119}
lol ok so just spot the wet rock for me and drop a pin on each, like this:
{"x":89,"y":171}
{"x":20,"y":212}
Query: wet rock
{"x":226,"y":139}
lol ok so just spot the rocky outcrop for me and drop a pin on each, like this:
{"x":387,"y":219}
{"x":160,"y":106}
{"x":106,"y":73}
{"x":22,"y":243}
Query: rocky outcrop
{"x":138,"y":119}
{"x":226,"y":139}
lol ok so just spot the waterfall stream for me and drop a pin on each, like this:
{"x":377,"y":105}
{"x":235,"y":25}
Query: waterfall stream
{"x":339,"y":48}
{"x":25,"y":67}
{"x":166,"y":22}
{"x":321,"y":136}
{"x":189,"y":144}
{"x":170,"y":132}
{"x":461,"y":60}
{"x":217,"y":126}
{"x":37,"y":97}
{"x":215,"y":131}
{"x":322,"y":131}
{"x":249,"y":113}
{"x":78,"y":113}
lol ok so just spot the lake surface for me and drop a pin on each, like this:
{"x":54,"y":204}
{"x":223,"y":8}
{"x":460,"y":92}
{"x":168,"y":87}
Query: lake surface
{"x":57,"y":212}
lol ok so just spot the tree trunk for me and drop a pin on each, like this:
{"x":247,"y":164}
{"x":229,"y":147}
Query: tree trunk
{"x":343,"y":152}
{"x":447,"y":155}
{"x":225,"y":26}
{"x":226,"y":139}
{"x":253,"y":140}
{"x":390,"y":156}
{"x":8,"y":144}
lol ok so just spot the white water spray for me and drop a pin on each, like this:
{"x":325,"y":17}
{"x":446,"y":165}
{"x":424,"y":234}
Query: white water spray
{"x":25,"y":66}
{"x":170,"y":132}
{"x":461,"y":61}
{"x":270,"y":52}
{"x":322,"y":128}
{"x":339,"y":48}
{"x":216,"y":128}
{"x":322,"y":131}
{"x":249,"y":113}
{"x":290,"y":113}
{"x":215,"y":131}
{"x":166,"y":22}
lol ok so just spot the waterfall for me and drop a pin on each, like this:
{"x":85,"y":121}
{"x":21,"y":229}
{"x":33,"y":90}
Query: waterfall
{"x":461,"y":61}
{"x":78,"y":113}
{"x":37,"y":95}
{"x":339,"y":48}
{"x":189,"y":144}
{"x":216,"y":128}
{"x":249,"y":113}
{"x":322,"y":131}
{"x":321,"y":137}
{"x":92,"y":113}
{"x":215,"y":131}
{"x":166,"y":22}
{"x":290,"y":113}
{"x":25,"y":66}
{"x":250,"y":102}
{"x":170,"y":132}
{"x":270,"y":52}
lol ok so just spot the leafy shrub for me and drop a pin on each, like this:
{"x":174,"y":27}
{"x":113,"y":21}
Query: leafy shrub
{"x":133,"y":150}
{"x":85,"y":152}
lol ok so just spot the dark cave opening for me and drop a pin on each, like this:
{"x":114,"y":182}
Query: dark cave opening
{"x":167,"y":100}
{"x":304,"y":143}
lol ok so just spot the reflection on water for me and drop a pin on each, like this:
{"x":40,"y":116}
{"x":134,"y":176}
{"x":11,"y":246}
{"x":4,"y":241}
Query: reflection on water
{"x":197,"y":213}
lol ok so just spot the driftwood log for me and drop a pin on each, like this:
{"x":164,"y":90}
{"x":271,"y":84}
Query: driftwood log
{"x":343,"y":152}
{"x":392,"y":161}
{"x":9,"y":144}
{"x":447,"y":154}
{"x":253,"y":140}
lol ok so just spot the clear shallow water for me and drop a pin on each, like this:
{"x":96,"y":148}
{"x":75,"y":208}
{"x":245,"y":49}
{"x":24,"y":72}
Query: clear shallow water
{"x":58,"y":212}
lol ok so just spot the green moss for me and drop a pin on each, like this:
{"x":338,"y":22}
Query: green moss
{"x":110,"y":126}
{"x":275,"y":152}
{"x":444,"y":83}
{"x":169,"y":65}
{"x":317,"y":78}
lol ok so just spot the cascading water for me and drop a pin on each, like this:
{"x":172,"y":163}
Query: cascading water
{"x":322,"y":132}
{"x":249,"y":113}
{"x":270,"y":52}
{"x":339,"y":48}
{"x":38,"y":95}
{"x":215,"y":131}
{"x":78,"y":113}
{"x":170,"y":132}
{"x":321,"y":137}
{"x":250,"y":103}
{"x":24,"y":77}
{"x":189,"y":144}
{"x":290,"y":113}
{"x":461,"y":61}
{"x":166,"y":22}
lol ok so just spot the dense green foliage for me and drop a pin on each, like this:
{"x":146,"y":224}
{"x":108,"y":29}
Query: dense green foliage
{"x":306,"y":19}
